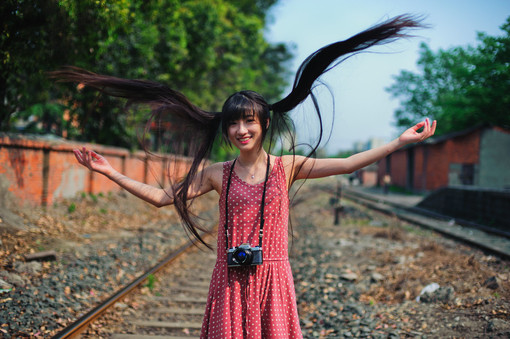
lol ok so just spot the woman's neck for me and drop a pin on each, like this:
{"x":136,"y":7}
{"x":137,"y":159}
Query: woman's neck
{"x":251,"y":159}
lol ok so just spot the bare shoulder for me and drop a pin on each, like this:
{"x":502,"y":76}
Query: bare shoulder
{"x":214,"y":174}
{"x":292,"y":165}
{"x":299,"y":167}
{"x":290,"y":159}
{"x":291,"y":162}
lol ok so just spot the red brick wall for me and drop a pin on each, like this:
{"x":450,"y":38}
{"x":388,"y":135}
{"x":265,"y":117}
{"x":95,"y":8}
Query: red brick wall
{"x":21,"y":173}
{"x":40,"y":172}
{"x":420,"y":173}
{"x":381,"y":171}
{"x":432,"y":161}
{"x":438,"y":166}
{"x":398,"y":168}
{"x":463,"y":149}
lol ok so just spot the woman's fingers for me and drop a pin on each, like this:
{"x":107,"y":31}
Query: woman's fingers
{"x":434,"y":124}
{"x":426,"y":129}
{"x":84,"y":157}
{"x":429,"y":129}
{"x":94,"y":156}
{"x":79,"y":156}
{"x":86,"y":154}
{"x":419,"y":125}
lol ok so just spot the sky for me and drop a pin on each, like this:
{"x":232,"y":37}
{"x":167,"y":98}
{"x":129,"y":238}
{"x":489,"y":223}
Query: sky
{"x":363,"y":109}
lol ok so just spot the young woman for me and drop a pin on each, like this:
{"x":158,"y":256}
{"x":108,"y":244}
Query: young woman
{"x":252,"y":291}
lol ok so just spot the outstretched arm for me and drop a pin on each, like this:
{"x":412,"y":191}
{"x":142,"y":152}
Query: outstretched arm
{"x":318,"y":168}
{"x":156,"y":196}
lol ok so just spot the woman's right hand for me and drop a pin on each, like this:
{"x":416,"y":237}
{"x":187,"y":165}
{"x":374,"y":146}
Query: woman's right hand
{"x":93,"y":161}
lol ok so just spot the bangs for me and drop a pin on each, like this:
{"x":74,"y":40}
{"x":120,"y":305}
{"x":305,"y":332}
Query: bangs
{"x":239,"y":108}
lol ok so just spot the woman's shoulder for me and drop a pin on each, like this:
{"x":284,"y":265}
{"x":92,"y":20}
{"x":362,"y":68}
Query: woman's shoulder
{"x":292,"y":160}
{"x":216,"y":167}
{"x":213,"y":173}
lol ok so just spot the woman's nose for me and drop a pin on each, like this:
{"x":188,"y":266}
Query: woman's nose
{"x":241,"y":128}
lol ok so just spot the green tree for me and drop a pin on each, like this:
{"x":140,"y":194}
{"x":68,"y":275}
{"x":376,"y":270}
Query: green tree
{"x":206,"y":49}
{"x":460,"y":87}
{"x":38,"y":36}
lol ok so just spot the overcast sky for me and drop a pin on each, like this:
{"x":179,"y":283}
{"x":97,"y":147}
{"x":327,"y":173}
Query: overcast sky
{"x":363,"y":109}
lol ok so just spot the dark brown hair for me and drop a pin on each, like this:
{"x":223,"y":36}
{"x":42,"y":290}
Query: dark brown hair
{"x":172,"y":106}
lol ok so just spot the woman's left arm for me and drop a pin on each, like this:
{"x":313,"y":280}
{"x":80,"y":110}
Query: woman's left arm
{"x":318,"y":168}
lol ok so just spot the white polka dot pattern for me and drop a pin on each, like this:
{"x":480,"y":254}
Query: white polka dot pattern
{"x":254,"y":301}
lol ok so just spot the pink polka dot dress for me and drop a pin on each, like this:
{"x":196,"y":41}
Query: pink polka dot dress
{"x":253,"y":301}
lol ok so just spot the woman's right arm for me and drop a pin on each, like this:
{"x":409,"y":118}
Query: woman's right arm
{"x":156,"y":196}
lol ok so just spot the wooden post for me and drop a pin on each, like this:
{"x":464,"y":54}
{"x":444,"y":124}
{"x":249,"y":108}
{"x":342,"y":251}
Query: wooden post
{"x":336,"y":204}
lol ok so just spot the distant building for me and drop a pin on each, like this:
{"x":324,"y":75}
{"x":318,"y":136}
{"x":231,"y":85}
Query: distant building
{"x":375,"y":142}
{"x":367,"y":176}
{"x":479,"y":156}
{"x":360,"y":146}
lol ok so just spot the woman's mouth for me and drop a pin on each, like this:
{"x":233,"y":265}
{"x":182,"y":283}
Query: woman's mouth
{"x":244,"y":140}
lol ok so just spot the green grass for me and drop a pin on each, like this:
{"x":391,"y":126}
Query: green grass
{"x":71,"y":208}
{"x":151,"y":280}
{"x":93,"y":197}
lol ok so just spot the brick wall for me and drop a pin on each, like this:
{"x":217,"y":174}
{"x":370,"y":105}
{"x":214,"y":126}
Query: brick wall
{"x":36,"y":171}
{"x":432,"y":161}
{"x":398,"y":161}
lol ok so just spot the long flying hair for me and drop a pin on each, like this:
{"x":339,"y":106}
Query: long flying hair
{"x":168,"y":105}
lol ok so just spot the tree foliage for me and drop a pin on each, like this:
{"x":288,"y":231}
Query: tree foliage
{"x":36,"y":36}
{"x":460,"y":87}
{"x":206,"y":49}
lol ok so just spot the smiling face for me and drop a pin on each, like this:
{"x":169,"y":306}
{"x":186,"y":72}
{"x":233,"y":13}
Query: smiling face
{"x":245,"y":120}
{"x":245,"y":133}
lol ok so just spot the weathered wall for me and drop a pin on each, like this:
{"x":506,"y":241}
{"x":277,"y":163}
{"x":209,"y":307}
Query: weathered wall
{"x":432,"y":162}
{"x":368,"y":178}
{"x":398,"y":169}
{"x":494,"y":168}
{"x":37,"y":171}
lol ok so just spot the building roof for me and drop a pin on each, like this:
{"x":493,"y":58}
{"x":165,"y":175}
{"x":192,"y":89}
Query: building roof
{"x":456,"y":134}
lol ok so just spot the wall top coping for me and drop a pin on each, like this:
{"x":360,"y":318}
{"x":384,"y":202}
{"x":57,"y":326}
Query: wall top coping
{"x":57,"y":144}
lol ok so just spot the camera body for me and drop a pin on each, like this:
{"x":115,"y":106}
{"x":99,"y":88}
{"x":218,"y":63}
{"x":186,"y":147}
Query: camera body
{"x":244,"y":255}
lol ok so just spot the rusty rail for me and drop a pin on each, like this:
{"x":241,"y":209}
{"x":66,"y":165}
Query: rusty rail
{"x":78,"y":326}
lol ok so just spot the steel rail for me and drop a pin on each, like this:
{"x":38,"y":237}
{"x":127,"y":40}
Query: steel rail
{"x":428,"y":213}
{"x":78,"y":326}
{"x":396,"y":210}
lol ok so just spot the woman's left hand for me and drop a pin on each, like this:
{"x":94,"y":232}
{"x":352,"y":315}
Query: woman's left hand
{"x":412,"y":135}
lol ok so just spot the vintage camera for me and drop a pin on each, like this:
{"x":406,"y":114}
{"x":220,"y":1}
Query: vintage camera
{"x":244,"y":255}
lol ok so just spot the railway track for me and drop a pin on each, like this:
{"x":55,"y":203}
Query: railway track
{"x":491,"y":242}
{"x":167,"y":301}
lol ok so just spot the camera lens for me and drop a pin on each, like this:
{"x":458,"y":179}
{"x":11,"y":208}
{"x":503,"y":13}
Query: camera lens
{"x":243,"y":256}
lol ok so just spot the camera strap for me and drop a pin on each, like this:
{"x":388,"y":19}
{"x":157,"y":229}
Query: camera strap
{"x":261,"y":203}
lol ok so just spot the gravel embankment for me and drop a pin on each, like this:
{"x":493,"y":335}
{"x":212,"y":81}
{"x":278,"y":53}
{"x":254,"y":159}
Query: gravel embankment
{"x":101,"y":244}
{"x":361,"y":278}
{"x":358,"y":279}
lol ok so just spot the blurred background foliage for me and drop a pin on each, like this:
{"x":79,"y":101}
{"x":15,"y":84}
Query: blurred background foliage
{"x":206,"y":49}
{"x":461,"y":87}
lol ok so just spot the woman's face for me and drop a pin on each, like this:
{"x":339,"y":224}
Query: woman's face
{"x":245,"y":133}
